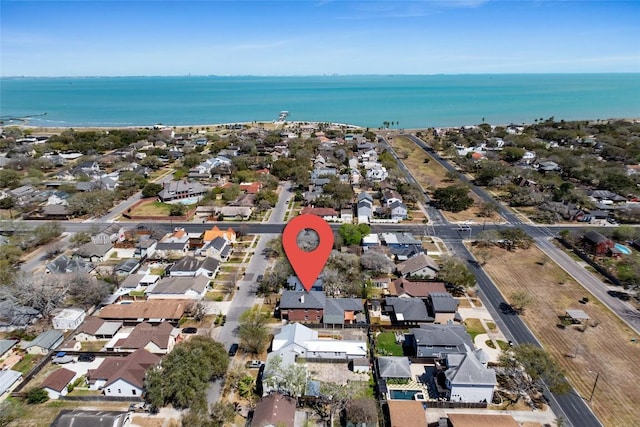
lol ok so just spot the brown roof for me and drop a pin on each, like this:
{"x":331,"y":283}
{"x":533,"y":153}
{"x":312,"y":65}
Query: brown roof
{"x":131,"y":368}
{"x":160,"y":309}
{"x":415,"y":289}
{"x":144,"y":333}
{"x":90,"y":325}
{"x":318,"y":211}
{"x":58,"y":380}
{"x":405,"y":413}
{"x":481,"y":420}
{"x":274,"y":409}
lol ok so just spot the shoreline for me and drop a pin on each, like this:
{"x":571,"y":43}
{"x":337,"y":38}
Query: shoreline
{"x":273,"y":125}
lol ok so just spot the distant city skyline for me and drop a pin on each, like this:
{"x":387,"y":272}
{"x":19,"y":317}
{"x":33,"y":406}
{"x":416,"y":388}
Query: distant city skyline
{"x":284,"y":38}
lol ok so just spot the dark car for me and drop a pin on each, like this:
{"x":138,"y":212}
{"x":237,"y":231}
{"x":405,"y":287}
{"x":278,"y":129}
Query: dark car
{"x":86,"y":358}
{"x":190,"y":330}
{"x":233,"y":349}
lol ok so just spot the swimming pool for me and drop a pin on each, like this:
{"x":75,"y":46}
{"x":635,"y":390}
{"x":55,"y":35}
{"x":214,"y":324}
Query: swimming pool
{"x":622,"y":248}
{"x":404,"y":394}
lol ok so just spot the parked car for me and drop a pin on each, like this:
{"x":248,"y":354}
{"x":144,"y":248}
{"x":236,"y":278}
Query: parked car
{"x":86,"y":358}
{"x":189,"y":330}
{"x":233,"y":349}
{"x":140,"y":407}
{"x":62,"y":358}
{"x":254,"y":364}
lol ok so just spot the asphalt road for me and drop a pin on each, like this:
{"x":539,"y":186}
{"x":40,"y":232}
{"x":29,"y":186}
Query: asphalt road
{"x":245,"y":296}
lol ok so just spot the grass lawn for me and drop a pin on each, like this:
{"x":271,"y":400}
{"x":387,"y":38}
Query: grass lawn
{"x":386,"y":343}
{"x":151,"y":208}
{"x":26,"y":364}
{"x":474,"y":327}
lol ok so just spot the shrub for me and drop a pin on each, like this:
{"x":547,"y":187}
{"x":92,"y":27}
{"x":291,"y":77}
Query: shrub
{"x":37,"y":395}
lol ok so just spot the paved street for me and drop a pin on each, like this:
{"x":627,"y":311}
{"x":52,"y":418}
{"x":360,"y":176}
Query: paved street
{"x":245,"y":296}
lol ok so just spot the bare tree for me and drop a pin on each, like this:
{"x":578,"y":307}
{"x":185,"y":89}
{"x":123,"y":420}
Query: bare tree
{"x":43,"y":293}
{"x":86,"y":290}
{"x":376,"y":262}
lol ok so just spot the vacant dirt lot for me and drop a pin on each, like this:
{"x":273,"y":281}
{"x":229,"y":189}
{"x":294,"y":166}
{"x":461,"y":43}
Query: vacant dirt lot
{"x":605,"y":349}
{"x":430,"y":175}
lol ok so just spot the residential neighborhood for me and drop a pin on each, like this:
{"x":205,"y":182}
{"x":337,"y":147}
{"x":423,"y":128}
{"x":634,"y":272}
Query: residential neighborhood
{"x":163,"y":286}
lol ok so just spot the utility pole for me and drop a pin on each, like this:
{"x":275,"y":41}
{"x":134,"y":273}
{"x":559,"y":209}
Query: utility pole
{"x":595,"y":383}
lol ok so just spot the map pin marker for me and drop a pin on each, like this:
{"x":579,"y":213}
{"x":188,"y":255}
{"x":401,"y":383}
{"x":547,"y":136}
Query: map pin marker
{"x":307,"y":265}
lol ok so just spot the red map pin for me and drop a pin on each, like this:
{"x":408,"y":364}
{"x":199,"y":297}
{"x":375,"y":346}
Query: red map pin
{"x":307,"y":265}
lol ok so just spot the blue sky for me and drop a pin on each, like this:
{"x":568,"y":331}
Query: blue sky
{"x":107,"y":38}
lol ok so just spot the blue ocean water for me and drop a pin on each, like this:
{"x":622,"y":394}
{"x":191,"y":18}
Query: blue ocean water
{"x":410,"y":101}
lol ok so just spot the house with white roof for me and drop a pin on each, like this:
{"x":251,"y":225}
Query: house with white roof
{"x":68,"y":319}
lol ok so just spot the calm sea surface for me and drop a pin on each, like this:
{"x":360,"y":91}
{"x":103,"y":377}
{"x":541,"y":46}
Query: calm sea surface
{"x":413,"y":101}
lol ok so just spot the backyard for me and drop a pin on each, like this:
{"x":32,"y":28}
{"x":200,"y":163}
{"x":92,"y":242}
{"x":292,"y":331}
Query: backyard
{"x":604,"y":347}
{"x":386,"y":345}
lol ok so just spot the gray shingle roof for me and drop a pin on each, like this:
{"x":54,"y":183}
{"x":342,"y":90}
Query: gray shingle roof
{"x":409,"y":309}
{"x":443,"y":302}
{"x":335,"y":307}
{"x":442,"y":335}
{"x":179,"y":285}
{"x":416,"y":263}
{"x":471,"y":371}
{"x":302,"y":299}
{"x":394,"y":367}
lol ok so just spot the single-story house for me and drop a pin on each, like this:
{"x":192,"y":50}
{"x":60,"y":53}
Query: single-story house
{"x":93,"y":252}
{"x":9,"y":379}
{"x":179,"y":288}
{"x":152,"y":311}
{"x":68,"y":318}
{"x":45,"y":342}
{"x":408,"y":288}
{"x":420,"y":265}
{"x":94,"y":328}
{"x":190,"y":266}
{"x":158,"y":339}
{"x":64,"y":265}
{"x":122,"y":376}
{"x":56,"y":383}
{"x":403,"y":413}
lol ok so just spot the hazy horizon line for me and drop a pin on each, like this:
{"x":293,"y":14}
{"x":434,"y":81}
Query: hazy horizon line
{"x":24,"y":76}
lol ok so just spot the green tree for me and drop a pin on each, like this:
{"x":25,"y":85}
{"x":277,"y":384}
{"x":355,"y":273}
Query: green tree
{"x":455,"y":271}
{"x":252,"y":331}
{"x":37,"y":395}
{"x":177,"y":209}
{"x":512,"y":154}
{"x":151,"y":189}
{"x":7,"y":202}
{"x":184,"y":374}
{"x":79,"y":239}
{"x":231,"y":193}
{"x":452,"y":198}
{"x":9,"y":178}
{"x":270,"y":197}
{"x":352,"y":234}
{"x":520,"y":300}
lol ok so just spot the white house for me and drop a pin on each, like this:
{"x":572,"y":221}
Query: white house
{"x":68,"y":319}
{"x":468,"y":379}
{"x":9,"y":380}
{"x":45,"y":342}
{"x":122,"y":376}
{"x":56,"y":383}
